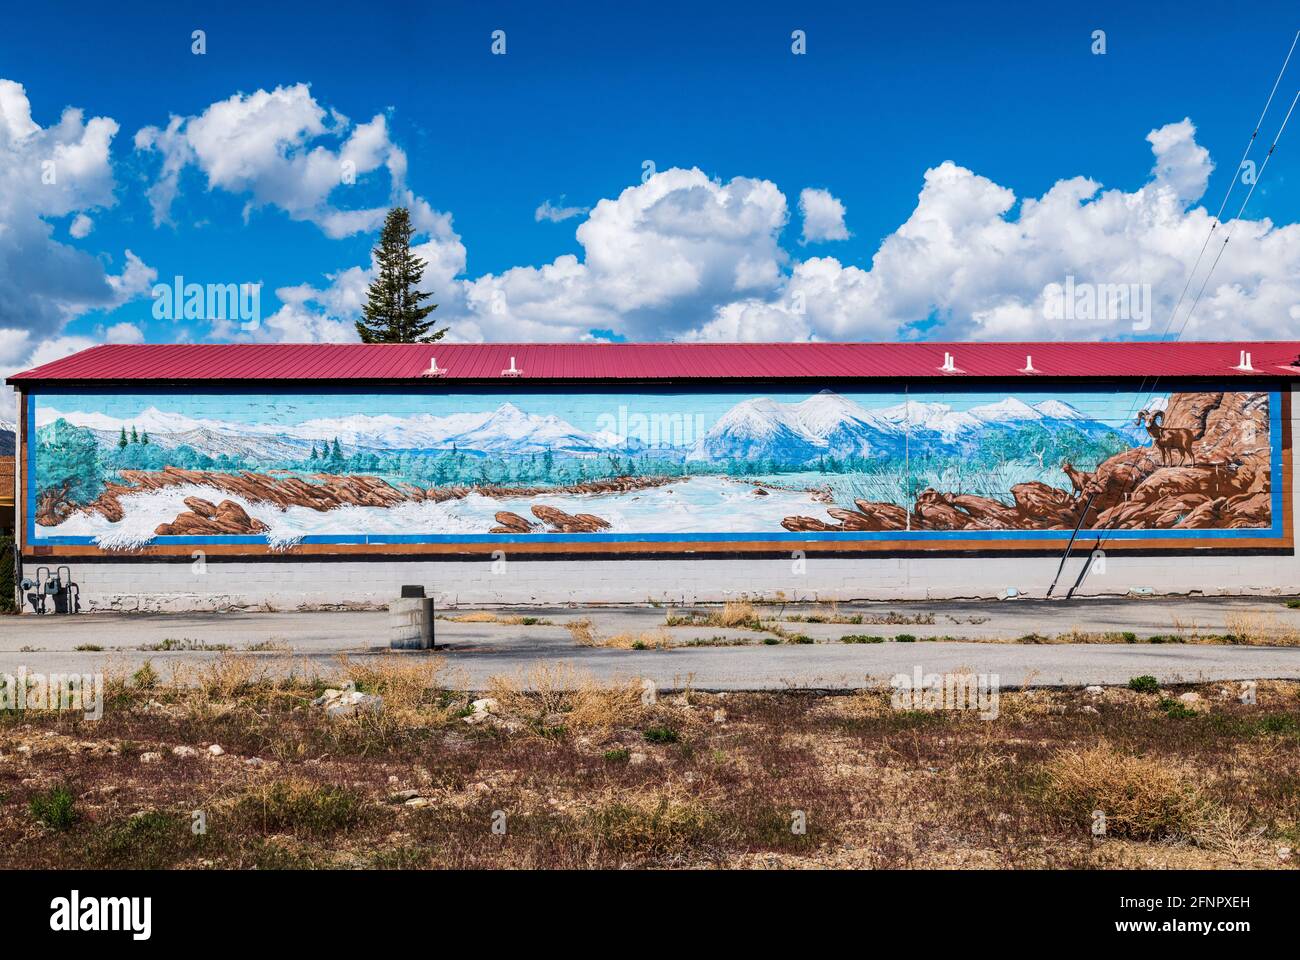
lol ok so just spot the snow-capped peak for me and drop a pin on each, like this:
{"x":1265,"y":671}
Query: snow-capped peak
{"x":822,"y":413}
{"x":1010,"y":409}
{"x":1058,"y":410}
{"x":149,"y":419}
{"x":760,"y":417}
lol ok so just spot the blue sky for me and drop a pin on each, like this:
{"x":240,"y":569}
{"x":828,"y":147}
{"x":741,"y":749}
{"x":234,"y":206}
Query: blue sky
{"x":1001,"y":104}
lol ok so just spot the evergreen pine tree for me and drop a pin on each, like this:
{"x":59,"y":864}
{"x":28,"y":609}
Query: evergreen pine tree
{"x":395,"y":311}
{"x":121,"y":442}
{"x":135,"y":437}
{"x":337,"y":452}
{"x":144,"y":439}
{"x":313,"y":451}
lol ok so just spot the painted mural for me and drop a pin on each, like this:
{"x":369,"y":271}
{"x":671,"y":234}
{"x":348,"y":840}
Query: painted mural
{"x":125,"y":471}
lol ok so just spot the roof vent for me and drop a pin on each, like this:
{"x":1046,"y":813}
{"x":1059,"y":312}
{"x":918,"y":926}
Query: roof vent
{"x":1243,"y":364}
{"x":513,"y":371}
{"x":1029,"y":365}
{"x":949,"y":365}
{"x":434,"y":370}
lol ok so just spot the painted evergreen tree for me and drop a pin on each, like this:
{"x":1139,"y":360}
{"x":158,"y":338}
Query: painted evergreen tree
{"x":135,"y":437}
{"x":395,"y":311}
{"x":313,"y":451}
{"x":121,"y":442}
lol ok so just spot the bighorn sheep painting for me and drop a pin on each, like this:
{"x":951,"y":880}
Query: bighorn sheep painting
{"x":1078,"y":479}
{"x":1168,"y":439}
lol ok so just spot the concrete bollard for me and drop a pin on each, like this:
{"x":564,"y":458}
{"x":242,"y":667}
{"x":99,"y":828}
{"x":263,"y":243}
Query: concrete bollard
{"x":410,"y":624}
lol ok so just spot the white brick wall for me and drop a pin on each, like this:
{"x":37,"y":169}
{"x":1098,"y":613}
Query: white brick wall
{"x":288,"y":586}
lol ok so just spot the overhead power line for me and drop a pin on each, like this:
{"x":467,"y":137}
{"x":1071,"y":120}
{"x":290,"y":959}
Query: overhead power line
{"x":1069,"y":547}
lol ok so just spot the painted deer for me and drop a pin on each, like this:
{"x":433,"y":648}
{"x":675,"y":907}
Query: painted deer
{"x":1168,"y":439}
{"x":1078,"y":479}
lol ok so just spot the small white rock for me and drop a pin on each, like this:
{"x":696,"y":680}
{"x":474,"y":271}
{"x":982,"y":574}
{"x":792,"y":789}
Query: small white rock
{"x":636,"y":758}
{"x":150,"y":757}
{"x":184,"y":751}
{"x":486,"y":705}
{"x":416,"y":803}
{"x":719,"y":716}
{"x":216,"y":750}
{"x":1190,"y":696}
{"x":1094,"y":690}
{"x":353,"y":702}
{"x":329,"y":696}
{"x":1284,"y":853}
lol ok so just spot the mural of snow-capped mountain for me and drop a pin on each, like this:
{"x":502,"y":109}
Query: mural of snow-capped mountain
{"x":828,"y":424}
{"x":8,"y":437}
{"x":505,"y":431}
{"x":825,"y":423}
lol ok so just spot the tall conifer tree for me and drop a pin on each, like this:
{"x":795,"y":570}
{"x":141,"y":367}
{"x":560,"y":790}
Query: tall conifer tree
{"x":395,"y":311}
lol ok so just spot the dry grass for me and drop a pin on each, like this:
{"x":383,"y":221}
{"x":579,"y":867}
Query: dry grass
{"x":485,"y":616}
{"x":231,"y":674}
{"x":1260,"y":629}
{"x":406,"y":684}
{"x":582,"y":632}
{"x":646,"y":640}
{"x":1142,"y":798}
{"x":597,"y":775}
{"x":556,"y":698}
{"x":735,"y":613}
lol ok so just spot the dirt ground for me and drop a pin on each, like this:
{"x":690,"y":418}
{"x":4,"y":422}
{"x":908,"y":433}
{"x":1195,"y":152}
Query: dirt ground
{"x":237,"y":767}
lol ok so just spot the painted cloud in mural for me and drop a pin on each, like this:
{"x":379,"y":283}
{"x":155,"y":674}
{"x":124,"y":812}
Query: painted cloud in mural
{"x":121,"y":471}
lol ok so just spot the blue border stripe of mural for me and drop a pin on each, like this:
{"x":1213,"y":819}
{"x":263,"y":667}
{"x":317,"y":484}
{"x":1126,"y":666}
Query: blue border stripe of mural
{"x":920,"y":536}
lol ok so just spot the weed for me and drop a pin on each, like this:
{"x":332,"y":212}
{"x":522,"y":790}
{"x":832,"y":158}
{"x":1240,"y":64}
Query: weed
{"x":298,"y":807}
{"x":660,"y":735}
{"x":170,"y":643}
{"x":56,"y":808}
{"x":1175,"y":709}
{"x":146,"y":678}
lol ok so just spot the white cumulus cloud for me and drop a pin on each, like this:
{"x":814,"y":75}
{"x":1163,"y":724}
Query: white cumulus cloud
{"x":823,"y":216}
{"x":687,"y":257}
{"x":47,"y":173}
{"x":271,"y":146}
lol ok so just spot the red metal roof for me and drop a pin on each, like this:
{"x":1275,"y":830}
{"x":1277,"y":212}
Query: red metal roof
{"x":663,"y":361}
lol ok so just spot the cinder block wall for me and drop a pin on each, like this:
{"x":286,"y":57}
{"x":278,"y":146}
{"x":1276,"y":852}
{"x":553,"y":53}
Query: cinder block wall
{"x":171,"y":586}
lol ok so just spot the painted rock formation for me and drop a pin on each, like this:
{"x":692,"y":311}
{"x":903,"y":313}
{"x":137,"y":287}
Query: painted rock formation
{"x":205,"y":519}
{"x":1225,"y":483}
{"x":562,"y":522}
{"x":512,"y":523}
